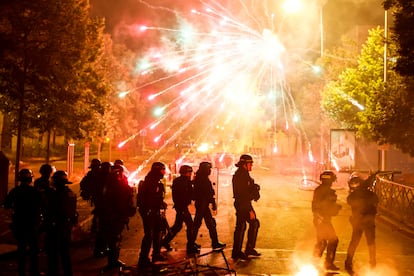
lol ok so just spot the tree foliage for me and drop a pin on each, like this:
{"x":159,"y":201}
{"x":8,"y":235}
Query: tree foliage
{"x":49,"y":54}
{"x":379,"y":109}
{"x":403,"y":34}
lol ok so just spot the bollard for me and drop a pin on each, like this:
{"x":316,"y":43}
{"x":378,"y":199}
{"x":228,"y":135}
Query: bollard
{"x":4,"y":176}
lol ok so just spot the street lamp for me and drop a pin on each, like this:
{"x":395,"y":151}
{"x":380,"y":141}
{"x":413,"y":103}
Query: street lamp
{"x":292,"y":6}
{"x":382,"y":154}
{"x":321,"y":27}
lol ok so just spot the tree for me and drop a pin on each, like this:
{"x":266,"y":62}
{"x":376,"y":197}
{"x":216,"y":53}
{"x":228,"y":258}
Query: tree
{"x":48,"y":73}
{"x":360,"y":99}
{"x":403,"y":37}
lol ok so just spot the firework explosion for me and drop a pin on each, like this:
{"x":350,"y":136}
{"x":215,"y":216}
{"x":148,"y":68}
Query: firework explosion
{"x":219,"y":75}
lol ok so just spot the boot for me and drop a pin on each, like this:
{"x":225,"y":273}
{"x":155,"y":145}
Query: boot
{"x":319,"y":248}
{"x":372,"y":253}
{"x":330,"y":255}
{"x":166,"y":241}
{"x":348,"y":266}
{"x":238,"y":242}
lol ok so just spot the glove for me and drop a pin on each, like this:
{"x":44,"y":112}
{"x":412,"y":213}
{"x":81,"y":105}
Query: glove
{"x":255,"y":194}
{"x":214,"y":206}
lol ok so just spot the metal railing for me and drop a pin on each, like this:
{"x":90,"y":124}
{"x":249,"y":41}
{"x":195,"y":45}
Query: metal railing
{"x":396,"y":201}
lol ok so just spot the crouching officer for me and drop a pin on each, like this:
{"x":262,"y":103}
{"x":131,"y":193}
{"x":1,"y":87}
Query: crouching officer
{"x":363,"y":204}
{"x":324,"y":207}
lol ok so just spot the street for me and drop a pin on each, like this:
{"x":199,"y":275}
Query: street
{"x":286,"y":234}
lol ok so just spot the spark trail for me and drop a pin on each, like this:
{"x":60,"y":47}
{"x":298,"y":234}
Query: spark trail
{"x":221,"y":69}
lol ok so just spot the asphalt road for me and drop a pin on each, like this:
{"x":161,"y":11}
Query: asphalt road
{"x":286,"y":234}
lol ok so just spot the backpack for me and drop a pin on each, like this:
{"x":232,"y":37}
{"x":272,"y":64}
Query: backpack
{"x":131,"y":209}
{"x":85,"y":189}
{"x":140,"y":194}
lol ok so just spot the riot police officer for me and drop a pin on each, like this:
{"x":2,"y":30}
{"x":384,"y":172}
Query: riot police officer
{"x":244,"y":191}
{"x":363,"y":204}
{"x":150,"y":201}
{"x":324,"y":207}
{"x":182,"y":190}
{"x":203,"y":197}
{"x":25,"y":202}
{"x":116,"y":198}
{"x":43,"y":182}
{"x":101,"y":180}
{"x":61,"y":216}
{"x":43,"y":185}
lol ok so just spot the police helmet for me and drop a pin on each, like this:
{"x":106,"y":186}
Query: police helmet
{"x":205,"y":165}
{"x":327,"y":176}
{"x":244,"y":158}
{"x":95,"y":163}
{"x":118,"y":169}
{"x":204,"y":168}
{"x":119,"y":162}
{"x":355,"y":181}
{"x":60,"y":178}
{"x":25,"y":175}
{"x":106,"y":167}
{"x":46,"y":169}
{"x":157,"y":166}
{"x":185,"y":169}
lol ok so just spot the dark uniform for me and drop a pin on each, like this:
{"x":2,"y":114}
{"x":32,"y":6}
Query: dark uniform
{"x":150,"y":201}
{"x":25,"y":201}
{"x":182,"y":190}
{"x":101,"y":178}
{"x":61,"y":216}
{"x":90,"y":189}
{"x":363,"y":204}
{"x":43,"y":185}
{"x":203,"y":197}
{"x":244,"y":191}
{"x":116,"y":199}
{"x":43,"y":182}
{"x":324,"y":207}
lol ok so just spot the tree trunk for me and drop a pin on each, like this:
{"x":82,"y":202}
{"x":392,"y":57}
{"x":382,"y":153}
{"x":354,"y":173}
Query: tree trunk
{"x":48,"y":147}
{"x":6,"y":134}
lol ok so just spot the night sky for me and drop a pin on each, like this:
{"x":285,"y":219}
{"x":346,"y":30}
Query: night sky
{"x":340,"y":16}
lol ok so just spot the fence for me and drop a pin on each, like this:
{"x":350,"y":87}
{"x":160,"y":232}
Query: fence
{"x":396,"y":201}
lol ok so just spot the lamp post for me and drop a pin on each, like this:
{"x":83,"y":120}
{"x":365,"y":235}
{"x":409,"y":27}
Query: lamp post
{"x":322,"y":152}
{"x":382,"y":157}
{"x":321,"y":27}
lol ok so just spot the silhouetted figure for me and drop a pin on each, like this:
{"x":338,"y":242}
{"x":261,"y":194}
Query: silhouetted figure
{"x":182,"y":191}
{"x":25,"y":202}
{"x":43,"y":185}
{"x":150,"y":201}
{"x":203,"y":197}
{"x":117,"y":199}
{"x":121,"y":163}
{"x":90,"y":189}
{"x":244,"y":191}
{"x":102,"y":179}
{"x":61,"y":216}
{"x":324,"y":207}
{"x":363,"y":204}
{"x":43,"y":182}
